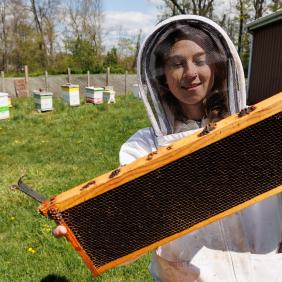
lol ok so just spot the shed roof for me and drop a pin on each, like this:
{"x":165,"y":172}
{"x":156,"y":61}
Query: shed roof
{"x":263,"y":21}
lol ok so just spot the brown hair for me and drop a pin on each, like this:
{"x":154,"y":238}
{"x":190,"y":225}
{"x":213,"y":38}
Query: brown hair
{"x":216,"y":102}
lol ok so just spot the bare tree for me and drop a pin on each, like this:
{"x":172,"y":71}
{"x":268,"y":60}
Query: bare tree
{"x":137,"y":48}
{"x":4,"y":34}
{"x":258,"y":6}
{"x":275,"y":5}
{"x":196,"y":7}
{"x":44,"y":13}
{"x":85,"y":20}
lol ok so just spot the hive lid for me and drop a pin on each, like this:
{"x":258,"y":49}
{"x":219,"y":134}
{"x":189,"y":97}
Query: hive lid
{"x":69,"y":85}
{"x":95,"y":88}
{"x":3,"y":94}
{"x":42,"y":93}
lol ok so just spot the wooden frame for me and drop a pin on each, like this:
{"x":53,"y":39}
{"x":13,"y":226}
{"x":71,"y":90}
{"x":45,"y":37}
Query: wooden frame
{"x":163,"y":156}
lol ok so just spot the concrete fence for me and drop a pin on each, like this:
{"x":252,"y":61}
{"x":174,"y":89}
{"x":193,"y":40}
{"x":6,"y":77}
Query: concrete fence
{"x":55,"y":81}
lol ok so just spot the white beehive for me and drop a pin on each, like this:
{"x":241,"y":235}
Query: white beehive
{"x":43,"y":100}
{"x":4,"y":106}
{"x":70,"y":94}
{"x":109,"y":95}
{"x":136,"y":91}
{"x":94,"y":95}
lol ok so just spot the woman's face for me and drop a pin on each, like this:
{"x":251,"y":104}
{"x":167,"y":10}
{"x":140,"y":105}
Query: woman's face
{"x":188,"y":76}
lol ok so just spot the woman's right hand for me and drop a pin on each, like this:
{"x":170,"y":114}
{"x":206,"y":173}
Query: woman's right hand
{"x":59,"y":231}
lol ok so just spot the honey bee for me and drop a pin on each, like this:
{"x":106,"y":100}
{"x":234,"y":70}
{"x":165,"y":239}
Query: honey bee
{"x":208,"y":128}
{"x":114,"y":173}
{"x":92,"y":182}
{"x":150,"y":155}
{"x":246,"y":111}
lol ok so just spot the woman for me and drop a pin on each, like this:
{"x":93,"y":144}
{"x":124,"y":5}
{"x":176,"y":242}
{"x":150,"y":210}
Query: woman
{"x":189,"y":74}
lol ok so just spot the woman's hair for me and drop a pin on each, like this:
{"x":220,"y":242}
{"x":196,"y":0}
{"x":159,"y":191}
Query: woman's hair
{"x":216,"y":102}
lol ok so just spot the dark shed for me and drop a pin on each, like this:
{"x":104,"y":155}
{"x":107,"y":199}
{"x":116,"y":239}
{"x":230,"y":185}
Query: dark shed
{"x":265,"y":67}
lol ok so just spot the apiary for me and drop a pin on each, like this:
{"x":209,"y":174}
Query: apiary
{"x":70,"y":94}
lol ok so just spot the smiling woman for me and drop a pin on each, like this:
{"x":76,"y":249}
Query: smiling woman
{"x":191,"y":75}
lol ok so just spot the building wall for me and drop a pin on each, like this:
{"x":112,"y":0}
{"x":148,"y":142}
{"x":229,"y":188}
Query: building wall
{"x":266,"y":67}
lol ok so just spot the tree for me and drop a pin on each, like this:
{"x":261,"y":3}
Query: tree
{"x":4,"y":34}
{"x":111,"y":57}
{"x":275,"y":5}
{"x":137,"y":49}
{"x":44,"y":12}
{"x":196,"y":7}
{"x":258,"y":6}
{"x":83,"y":38}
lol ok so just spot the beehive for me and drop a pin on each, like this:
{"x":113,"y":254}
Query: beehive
{"x":70,"y":94}
{"x":109,"y":94}
{"x":43,"y":100}
{"x":136,"y":91}
{"x":94,"y":95}
{"x":4,"y":106}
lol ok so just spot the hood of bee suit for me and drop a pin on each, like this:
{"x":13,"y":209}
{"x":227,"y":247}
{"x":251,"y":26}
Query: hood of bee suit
{"x":160,"y":114}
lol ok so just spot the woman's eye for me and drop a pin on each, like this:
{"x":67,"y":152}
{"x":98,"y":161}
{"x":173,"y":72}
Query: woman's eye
{"x":200,"y":62}
{"x":177,"y":65}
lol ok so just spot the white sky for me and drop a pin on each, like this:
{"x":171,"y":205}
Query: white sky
{"x":125,"y":18}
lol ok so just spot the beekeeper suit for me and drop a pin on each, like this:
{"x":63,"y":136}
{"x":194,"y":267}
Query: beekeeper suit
{"x":241,"y":247}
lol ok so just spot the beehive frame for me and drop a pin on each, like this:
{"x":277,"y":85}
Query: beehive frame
{"x":114,"y":181}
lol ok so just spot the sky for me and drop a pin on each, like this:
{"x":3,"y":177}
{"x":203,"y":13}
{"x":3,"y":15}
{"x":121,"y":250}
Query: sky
{"x":125,"y":18}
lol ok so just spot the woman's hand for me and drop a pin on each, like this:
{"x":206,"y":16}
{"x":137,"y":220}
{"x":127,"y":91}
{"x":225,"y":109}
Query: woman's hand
{"x":60,"y":231}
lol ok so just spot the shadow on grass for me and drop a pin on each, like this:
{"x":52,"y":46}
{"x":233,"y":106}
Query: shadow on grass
{"x":54,"y":278}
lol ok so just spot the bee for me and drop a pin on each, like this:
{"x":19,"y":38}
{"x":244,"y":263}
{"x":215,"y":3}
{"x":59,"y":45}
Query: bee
{"x":92,"y":182}
{"x":246,"y":111}
{"x":114,"y":173}
{"x":150,"y":155}
{"x":208,"y":128}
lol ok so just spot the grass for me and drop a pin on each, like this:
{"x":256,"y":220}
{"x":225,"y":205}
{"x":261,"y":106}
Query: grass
{"x":57,"y":150}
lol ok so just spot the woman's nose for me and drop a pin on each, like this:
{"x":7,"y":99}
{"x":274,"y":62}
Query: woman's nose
{"x":190,"y":71}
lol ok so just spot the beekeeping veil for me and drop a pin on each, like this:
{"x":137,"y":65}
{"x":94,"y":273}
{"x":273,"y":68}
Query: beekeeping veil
{"x":219,"y":49}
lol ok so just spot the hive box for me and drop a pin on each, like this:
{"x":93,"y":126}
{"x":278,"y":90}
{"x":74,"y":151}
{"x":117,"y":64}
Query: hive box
{"x":4,"y":106}
{"x":43,"y":100}
{"x":136,"y":91}
{"x":70,"y":94}
{"x":94,"y":95}
{"x":109,"y":96}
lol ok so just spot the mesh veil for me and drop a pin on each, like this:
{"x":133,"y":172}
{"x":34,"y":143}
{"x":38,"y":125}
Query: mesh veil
{"x":220,"y":52}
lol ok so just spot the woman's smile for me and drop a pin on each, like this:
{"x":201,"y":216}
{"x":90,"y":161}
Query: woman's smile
{"x":192,"y":86}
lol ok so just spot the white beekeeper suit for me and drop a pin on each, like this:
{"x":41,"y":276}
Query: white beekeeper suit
{"x":241,"y":247}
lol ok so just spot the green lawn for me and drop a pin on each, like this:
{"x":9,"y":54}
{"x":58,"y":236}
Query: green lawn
{"x":57,"y":150}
